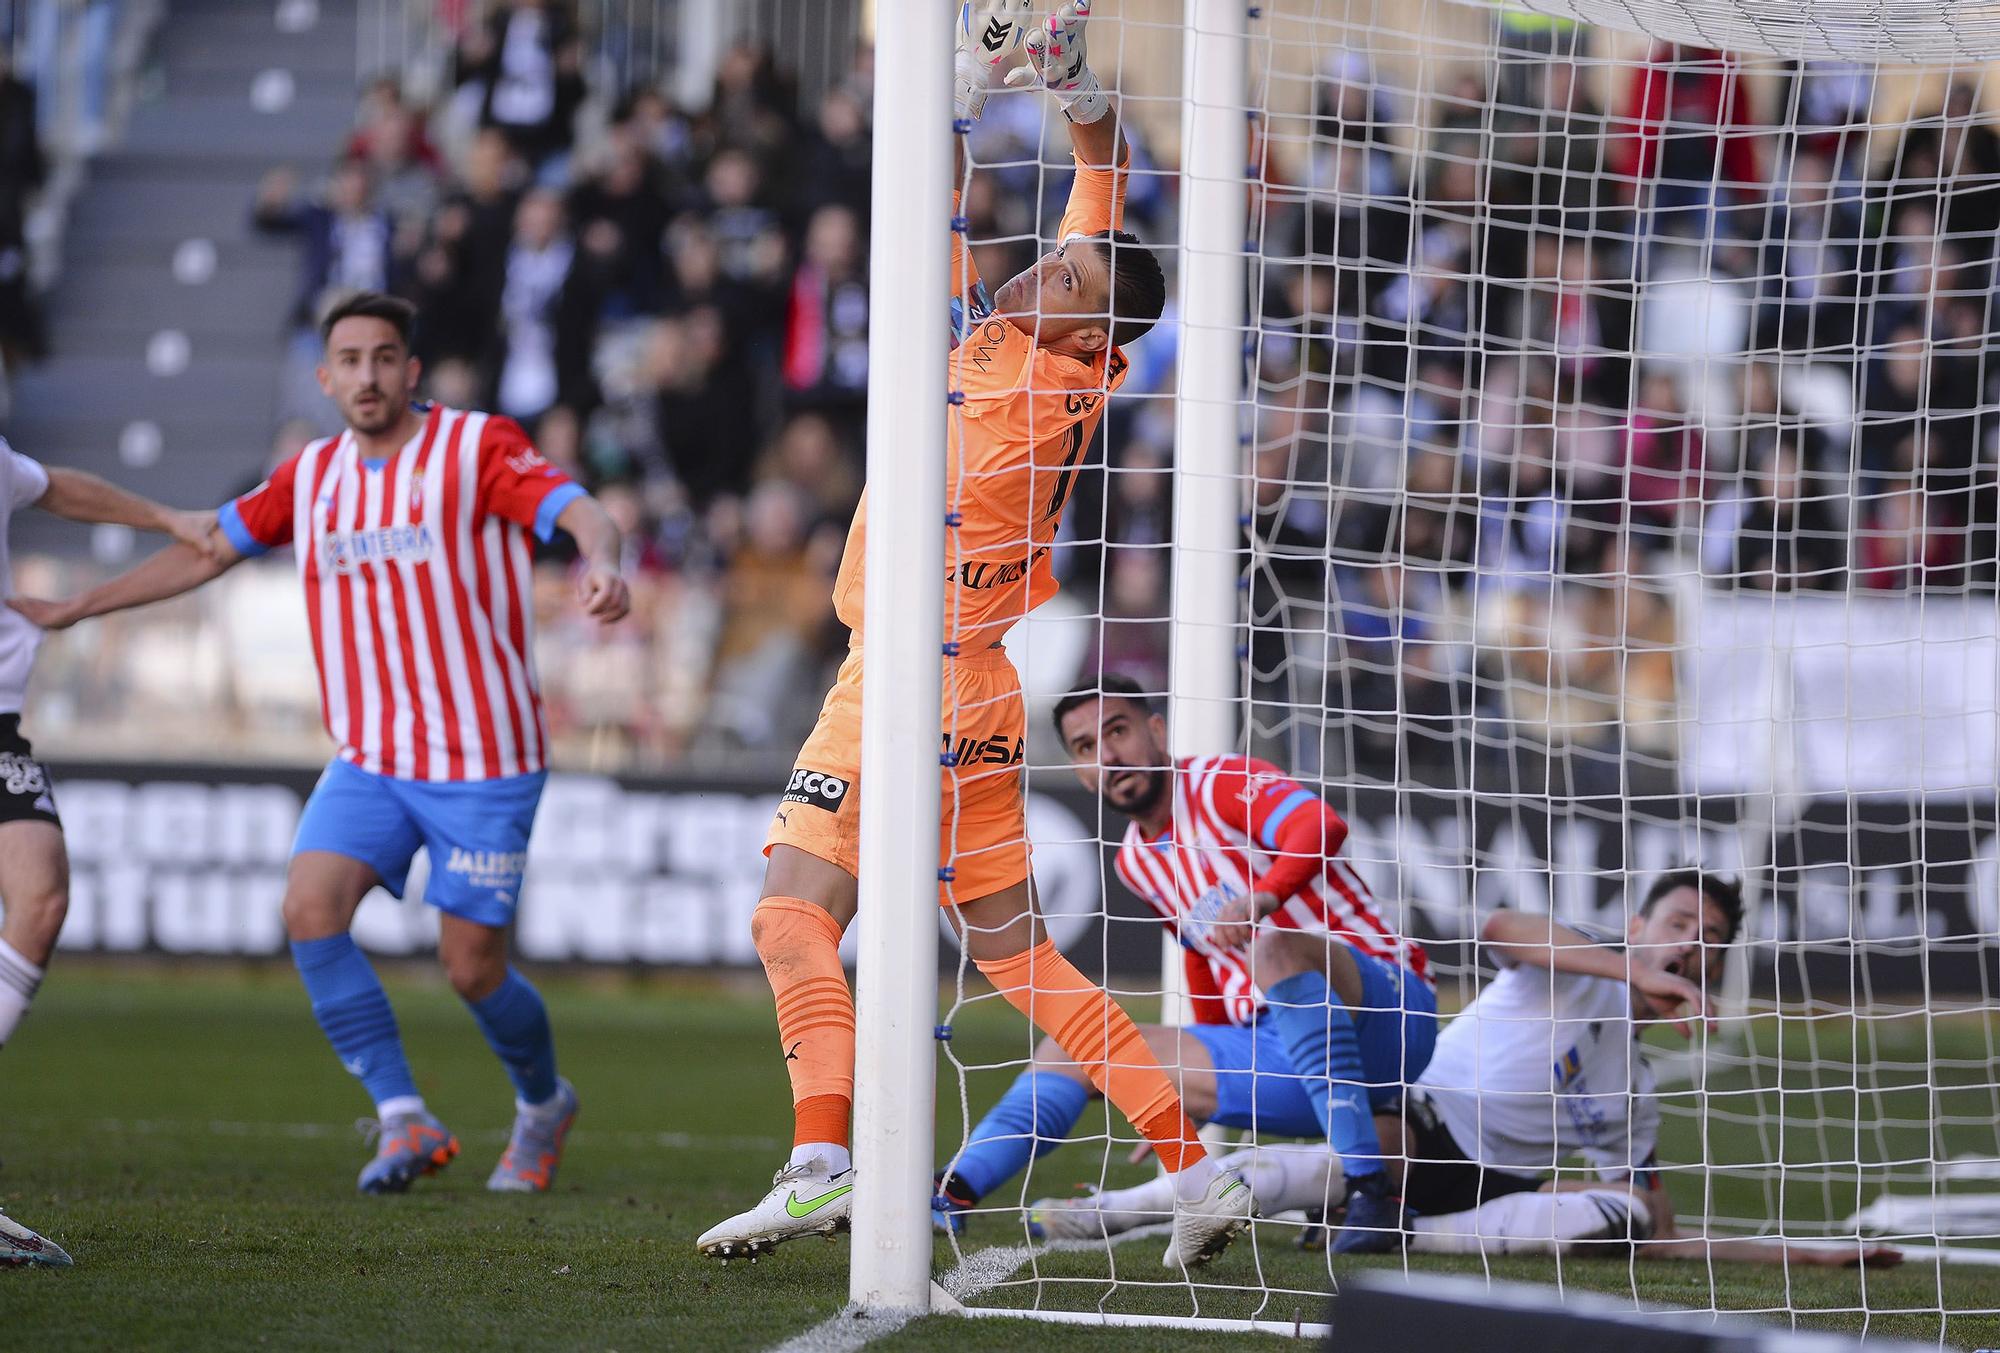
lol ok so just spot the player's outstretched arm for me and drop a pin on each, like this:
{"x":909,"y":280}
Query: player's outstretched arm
{"x":1544,"y":942}
{"x":601,"y":591}
{"x":1669,"y":1242}
{"x":77,"y":496}
{"x":176,"y":569}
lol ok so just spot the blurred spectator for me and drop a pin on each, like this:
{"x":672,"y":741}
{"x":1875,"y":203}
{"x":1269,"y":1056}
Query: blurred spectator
{"x":774,"y":609}
{"x":1689,"y":145}
{"x":831,"y":162}
{"x":1809,"y":279}
{"x":826,"y":328}
{"x":526,"y":64}
{"x":1907,"y":538}
{"x":624,"y":205}
{"x":22,"y":171}
{"x":548,"y":303}
{"x":345,"y":239}
{"x":391,"y":140}
{"x":1779,"y":533}
{"x":1827,"y":98}
{"x":1664,"y":461}
{"x":95,"y":23}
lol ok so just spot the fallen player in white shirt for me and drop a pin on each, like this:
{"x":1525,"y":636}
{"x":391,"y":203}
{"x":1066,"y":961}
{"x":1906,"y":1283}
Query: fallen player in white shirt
{"x":1542,"y":1068}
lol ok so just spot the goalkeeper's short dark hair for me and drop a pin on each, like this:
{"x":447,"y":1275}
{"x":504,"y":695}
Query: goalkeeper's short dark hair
{"x":1725,"y":892}
{"x":1110,"y":686}
{"x":1138,"y":286}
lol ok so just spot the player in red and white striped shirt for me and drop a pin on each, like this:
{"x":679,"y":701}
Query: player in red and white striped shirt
{"x":1312,"y":1008}
{"x":411,"y":534}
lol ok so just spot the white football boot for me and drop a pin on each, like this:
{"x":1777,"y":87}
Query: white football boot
{"x":1204,"y":1227}
{"x":806,"y":1199}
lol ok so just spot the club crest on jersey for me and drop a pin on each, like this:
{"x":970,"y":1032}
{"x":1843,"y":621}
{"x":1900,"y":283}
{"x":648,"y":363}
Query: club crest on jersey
{"x":816,"y":789}
{"x":346,"y":551}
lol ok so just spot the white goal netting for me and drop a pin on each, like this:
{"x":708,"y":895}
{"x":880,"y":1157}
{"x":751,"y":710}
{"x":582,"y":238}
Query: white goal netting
{"x":1616,"y":492}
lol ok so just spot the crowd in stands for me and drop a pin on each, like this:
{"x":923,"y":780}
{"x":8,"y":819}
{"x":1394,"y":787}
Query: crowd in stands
{"x":1524,"y":376}
{"x":675,"y":306}
{"x":1525,"y":369}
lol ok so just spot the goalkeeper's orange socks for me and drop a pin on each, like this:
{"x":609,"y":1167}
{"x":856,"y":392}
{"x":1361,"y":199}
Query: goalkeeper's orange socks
{"x":799,"y":945}
{"x":1102,"y":1039}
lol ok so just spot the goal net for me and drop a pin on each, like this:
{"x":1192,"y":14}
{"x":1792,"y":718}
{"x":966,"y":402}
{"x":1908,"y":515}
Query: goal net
{"x":1569,"y":452}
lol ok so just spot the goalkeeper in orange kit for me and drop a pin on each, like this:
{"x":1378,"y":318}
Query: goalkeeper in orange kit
{"x":1031,"y":371}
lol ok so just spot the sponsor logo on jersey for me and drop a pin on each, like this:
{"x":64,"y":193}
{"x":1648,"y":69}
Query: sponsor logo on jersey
{"x":816,"y":789}
{"x":998,"y":750}
{"x":981,"y":576}
{"x":346,"y":551}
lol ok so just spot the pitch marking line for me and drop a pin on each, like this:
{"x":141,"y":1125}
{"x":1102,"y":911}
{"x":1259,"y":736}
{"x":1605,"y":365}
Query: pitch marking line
{"x":170,"y":1127}
{"x":975,"y":1274}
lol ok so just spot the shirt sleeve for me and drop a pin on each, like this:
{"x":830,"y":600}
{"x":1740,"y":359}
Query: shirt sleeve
{"x":1282,"y":816}
{"x":1096,"y":199}
{"x":261,"y":520}
{"x":27,"y":481}
{"x":516,"y":484}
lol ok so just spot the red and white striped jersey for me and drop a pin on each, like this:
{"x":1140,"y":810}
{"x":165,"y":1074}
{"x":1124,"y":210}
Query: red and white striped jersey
{"x":418,"y":591}
{"x":1229,"y":814}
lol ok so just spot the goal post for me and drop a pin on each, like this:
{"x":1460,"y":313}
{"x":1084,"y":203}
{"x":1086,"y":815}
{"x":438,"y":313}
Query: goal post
{"x":895,"y":1067}
{"x":1204,"y":687}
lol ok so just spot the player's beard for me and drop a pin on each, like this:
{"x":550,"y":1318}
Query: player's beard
{"x":1137,"y":802}
{"x":384,"y":417}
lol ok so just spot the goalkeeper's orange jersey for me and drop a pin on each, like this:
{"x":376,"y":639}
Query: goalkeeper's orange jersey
{"x":1013,"y":449}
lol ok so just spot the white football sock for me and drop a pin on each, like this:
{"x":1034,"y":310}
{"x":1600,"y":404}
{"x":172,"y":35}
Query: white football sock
{"x":399,"y":1106}
{"x":1285,"y":1178}
{"x":1193,"y":1180}
{"x":1533,"y":1223}
{"x":19,"y":980}
{"x":837,"y":1159}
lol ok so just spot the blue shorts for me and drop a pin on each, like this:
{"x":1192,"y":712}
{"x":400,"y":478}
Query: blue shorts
{"x":476,"y":832}
{"x":1256,"y":1087}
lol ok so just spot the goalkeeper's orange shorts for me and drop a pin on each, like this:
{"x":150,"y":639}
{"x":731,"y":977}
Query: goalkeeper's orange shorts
{"x":983,"y":835}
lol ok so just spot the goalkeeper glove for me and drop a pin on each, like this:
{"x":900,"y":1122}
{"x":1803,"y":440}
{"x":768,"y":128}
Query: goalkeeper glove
{"x":987,"y":36}
{"x":1056,"y":55}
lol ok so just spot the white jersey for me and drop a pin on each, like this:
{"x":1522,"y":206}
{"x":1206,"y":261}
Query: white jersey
{"x":22,"y":483}
{"x":1544,"y":1066}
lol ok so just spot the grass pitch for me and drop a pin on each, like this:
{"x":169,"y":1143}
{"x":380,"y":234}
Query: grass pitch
{"x":186,"y":1135}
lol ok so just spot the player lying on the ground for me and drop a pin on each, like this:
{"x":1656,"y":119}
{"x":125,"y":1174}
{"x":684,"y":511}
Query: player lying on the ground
{"x":20,"y":1247}
{"x":411,"y":535}
{"x":1034,"y":369}
{"x":1306,"y":1029}
{"x":34,"y":865}
{"x":1541,"y":1067}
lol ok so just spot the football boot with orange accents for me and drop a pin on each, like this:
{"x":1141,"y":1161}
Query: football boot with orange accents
{"x":535,"y":1149}
{"x":406,"y":1149}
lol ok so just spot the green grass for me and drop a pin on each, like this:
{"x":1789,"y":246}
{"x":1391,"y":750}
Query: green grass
{"x":186,"y":1135}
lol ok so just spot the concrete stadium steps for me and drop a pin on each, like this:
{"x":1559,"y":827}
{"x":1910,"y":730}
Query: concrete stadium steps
{"x":187,"y":168}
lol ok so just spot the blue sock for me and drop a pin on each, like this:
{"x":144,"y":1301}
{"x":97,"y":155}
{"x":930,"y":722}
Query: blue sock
{"x":1318,"y":1034}
{"x":516,"y":1025}
{"x":353,"y":1011}
{"x":1032,"y":1118}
